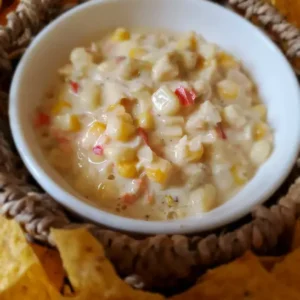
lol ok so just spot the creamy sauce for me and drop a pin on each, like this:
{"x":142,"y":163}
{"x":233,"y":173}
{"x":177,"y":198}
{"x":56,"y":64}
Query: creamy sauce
{"x":154,"y":125}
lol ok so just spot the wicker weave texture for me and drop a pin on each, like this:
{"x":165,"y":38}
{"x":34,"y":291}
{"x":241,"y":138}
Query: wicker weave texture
{"x":155,"y":261}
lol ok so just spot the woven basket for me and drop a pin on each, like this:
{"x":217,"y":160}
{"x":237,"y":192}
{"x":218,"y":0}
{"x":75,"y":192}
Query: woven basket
{"x":156,"y":262}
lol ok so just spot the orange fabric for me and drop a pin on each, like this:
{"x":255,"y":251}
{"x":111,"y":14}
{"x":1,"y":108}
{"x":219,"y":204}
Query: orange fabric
{"x":289,"y":8}
{"x":6,"y":7}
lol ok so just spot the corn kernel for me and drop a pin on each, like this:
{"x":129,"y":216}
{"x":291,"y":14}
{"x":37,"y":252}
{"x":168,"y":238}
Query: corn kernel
{"x":201,"y":63}
{"x":146,"y":65}
{"x":223,"y":115}
{"x":261,"y":111}
{"x":169,"y":200}
{"x":204,"y":197}
{"x":194,"y":156}
{"x":136,"y":52}
{"x":188,"y":42}
{"x":260,"y":131}
{"x":129,"y":155}
{"x":145,"y":120}
{"x":227,"y":90}
{"x":238,"y":176}
{"x":121,"y":34}
{"x":67,"y":122}
{"x":59,"y":106}
{"x":156,"y":175}
{"x":227,"y":61}
{"x":74,"y":123}
{"x":193,"y":43}
{"x":97,"y":128}
{"x":126,"y":131}
{"x":127,"y":170}
{"x":112,"y":107}
{"x":209,"y":197}
{"x":124,"y":154}
{"x":120,"y":127}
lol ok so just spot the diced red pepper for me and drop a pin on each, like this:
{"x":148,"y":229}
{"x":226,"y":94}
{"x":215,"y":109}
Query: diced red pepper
{"x":220,"y":131}
{"x":150,"y":198}
{"x":129,"y":199}
{"x":142,"y":185}
{"x":120,"y":58}
{"x":63,"y":140}
{"x":74,"y":86}
{"x":65,"y":147}
{"x":98,"y":150}
{"x":41,"y":119}
{"x":185,"y":96}
{"x":59,"y":135}
{"x":108,"y":47}
{"x":143,"y":134}
{"x":127,"y":103}
{"x":89,"y":50}
{"x":64,"y":143}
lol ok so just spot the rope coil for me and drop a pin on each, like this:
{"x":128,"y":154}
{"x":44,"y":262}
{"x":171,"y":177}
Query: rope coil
{"x":287,"y":34}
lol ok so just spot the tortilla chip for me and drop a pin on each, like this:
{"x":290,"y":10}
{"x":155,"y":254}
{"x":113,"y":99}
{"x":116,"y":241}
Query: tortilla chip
{"x":288,"y":271}
{"x":32,"y":285}
{"x":67,"y":291}
{"x":269,"y":262}
{"x":52,"y":264}
{"x":21,"y":274}
{"x":89,"y":271}
{"x":296,"y":236}
{"x":15,"y":256}
{"x":244,"y":278}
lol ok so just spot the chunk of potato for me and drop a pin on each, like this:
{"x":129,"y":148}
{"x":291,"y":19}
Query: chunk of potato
{"x":68,"y":122}
{"x":120,"y":127}
{"x":234,"y":116}
{"x":204,"y":197}
{"x":260,"y":152}
{"x":90,"y":95}
{"x":165,"y":69}
{"x":165,"y":101}
{"x":81,"y":59}
{"x":188,"y":42}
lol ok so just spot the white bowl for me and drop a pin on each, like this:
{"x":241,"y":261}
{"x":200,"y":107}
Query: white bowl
{"x":271,"y":71}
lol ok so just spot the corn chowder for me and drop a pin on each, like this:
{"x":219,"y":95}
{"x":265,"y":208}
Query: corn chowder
{"x":154,"y":126}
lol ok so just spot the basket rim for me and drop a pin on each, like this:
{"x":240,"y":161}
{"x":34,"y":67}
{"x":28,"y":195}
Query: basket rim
{"x":38,"y":213}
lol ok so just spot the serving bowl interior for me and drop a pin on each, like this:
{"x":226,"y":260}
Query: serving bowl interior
{"x":270,"y":70}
